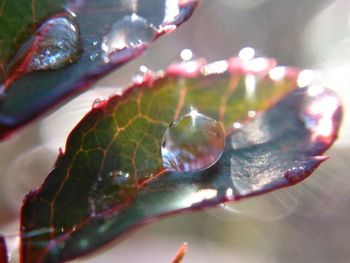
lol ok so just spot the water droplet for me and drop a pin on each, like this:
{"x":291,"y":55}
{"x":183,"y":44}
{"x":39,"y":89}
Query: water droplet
{"x":246,"y":53}
{"x":237,"y":125}
{"x":55,"y":45}
{"x":277,"y":73}
{"x":251,"y":114}
{"x":120,"y":177}
{"x":99,"y":102}
{"x":306,"y":77}
{"x":131,"y":31}
{"x":193,"y":143}
{"x":142,"y":75}
{"x":186,"y":54}
{"x":93,"y":56}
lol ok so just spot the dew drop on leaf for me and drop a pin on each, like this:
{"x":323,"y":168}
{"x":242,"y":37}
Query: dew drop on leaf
{"x":55,"y":45}
{"x":131,"y":31}
{"x":193,"y":143}
{"x":99,"y":102}
{"x":141,"y":75}
{"x":186,"y":54}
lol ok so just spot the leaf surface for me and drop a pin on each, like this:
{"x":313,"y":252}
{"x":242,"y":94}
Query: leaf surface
{"x":50,"y":50}
{"x":111,"y":177}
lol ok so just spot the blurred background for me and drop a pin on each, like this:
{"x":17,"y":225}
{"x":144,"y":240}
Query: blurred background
{"x":308,"y":222}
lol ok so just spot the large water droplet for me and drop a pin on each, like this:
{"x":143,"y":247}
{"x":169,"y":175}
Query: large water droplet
{"x":130,"y":32}
{"x":55,"y":45}
{"x":193,"y":143}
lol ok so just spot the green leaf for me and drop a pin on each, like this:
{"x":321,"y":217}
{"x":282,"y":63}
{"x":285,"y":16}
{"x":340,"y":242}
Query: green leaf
{"x":111,"y":178}
{"x":50,"y":50}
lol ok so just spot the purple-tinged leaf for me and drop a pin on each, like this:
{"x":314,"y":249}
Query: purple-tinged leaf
{"x":76,"y":43}
{"x":114,"y":174}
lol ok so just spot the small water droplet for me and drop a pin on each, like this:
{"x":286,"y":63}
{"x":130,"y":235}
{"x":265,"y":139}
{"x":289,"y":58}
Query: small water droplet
{"x":141,"y":75}
{"x":55,"y":45}
{"x":246,"y":53}
{"x":193,"y":143}
{"x":237,"y":125}
{"x":99,"y":102}
{"x":186,"y":54}
{"x":129,"y":32}
{"x":251,"y":114}
{"x":306,"y":78}
{"x":120,"y":177}
{"x":93,"y":56}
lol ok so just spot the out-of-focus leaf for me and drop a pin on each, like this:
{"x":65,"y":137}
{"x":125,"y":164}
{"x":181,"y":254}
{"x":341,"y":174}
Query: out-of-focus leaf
{"x":3,"y":251}
{"x":111,"y":177}
{"x":52,"y":49}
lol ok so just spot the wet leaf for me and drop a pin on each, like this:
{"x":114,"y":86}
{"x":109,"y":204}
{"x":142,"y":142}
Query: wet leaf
{"x":111,"y":177}
{"x":3,"y":251}
{"x":50,"y":50}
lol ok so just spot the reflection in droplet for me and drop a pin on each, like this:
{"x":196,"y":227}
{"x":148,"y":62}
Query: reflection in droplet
{"x":193,"y":143}
{"x":129,"y":32}
{"x":55,"y":45}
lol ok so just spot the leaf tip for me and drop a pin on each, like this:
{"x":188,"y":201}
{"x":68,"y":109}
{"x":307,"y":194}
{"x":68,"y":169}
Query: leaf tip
{"x":297,"y":174}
